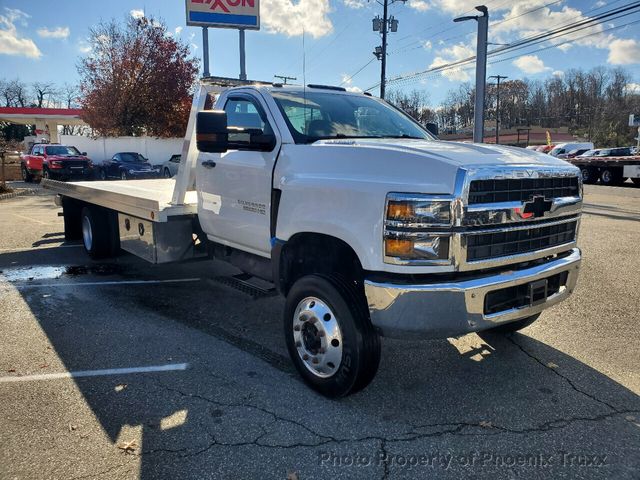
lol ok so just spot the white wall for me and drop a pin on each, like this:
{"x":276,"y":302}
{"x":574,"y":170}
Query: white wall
{"x":157,"y":150}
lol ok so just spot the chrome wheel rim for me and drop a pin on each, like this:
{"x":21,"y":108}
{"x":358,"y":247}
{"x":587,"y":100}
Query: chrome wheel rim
{"x":585,"y":175}
{"x":24,"y":173}
{"x":123,"y":176}
{"x":606,"y":176}
{"x":87,"y":234}
{"x":317,"y":337}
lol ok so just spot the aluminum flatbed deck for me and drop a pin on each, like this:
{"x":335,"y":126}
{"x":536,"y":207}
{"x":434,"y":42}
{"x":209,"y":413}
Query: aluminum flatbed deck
{"x":147,"y":199}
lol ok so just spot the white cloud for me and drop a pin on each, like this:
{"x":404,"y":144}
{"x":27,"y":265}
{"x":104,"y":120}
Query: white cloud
{"x":558,"y":73}
{"x":600,"y":3}
{"x":624,"y":52}
{"x":454,"y":54}
{"x":357,"y":4}
{"x":291,"y":19}
{"x":632,"y":88}
{"x":84,"y":46}
{"x":11,"y":42}
{"x":137,"y":13}
{"x":345,"y":79}
{"x":419,"y":5}
{"x":427,"y":45}
{"x":58,"y":32}
{"x":530,"y":64}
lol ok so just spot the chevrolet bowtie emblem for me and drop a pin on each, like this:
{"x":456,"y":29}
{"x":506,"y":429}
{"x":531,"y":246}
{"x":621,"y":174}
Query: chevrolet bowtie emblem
{"x":536,"y":207}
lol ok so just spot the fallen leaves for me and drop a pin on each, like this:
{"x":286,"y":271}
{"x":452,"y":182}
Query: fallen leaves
{"x":120,"y":387}
{"x":485,"y":424}
{"x":552,"y":365}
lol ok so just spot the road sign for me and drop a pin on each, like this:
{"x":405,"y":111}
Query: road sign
{"x":244,"y":14}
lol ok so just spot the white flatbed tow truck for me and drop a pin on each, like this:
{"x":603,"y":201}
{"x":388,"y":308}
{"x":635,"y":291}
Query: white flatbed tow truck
{"x":366,"y":223}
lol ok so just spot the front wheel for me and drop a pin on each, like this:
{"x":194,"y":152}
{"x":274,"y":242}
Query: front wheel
{"x":123,"y":175}
{"x":46,"y":173}
{"x":329,"y":335}
{"x":26,"y":176}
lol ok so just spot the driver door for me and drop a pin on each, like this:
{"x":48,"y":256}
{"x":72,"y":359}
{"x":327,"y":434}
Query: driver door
{"x":234,"y":188}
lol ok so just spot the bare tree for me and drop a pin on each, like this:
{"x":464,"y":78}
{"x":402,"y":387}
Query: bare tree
{"x":42,"y":91}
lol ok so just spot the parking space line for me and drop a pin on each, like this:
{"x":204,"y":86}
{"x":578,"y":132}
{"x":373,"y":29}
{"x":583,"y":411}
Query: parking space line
{"x":31,"y":249}
{"x":29,"y":218}
{"x":95,"y":373}
{"x":115,"y":282}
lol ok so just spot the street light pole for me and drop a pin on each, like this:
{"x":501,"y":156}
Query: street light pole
{"x":498,"y":78}
{"x":383,"y":67}
{"x":481,"y":70}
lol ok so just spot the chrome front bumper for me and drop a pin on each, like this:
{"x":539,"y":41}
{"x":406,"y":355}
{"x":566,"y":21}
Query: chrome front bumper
{"x":440,"y":310}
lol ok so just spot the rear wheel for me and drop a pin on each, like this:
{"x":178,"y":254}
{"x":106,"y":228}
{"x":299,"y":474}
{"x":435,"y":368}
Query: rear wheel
{"x":96,"y":236}
{"x":166,"y":173}
{"x":589,"y":174}
{"x":26,"y":176}
{"x":103,"y":174}
{"x":329,"y":335}
{"x":611,"y":176}
{"x":515,"y":326}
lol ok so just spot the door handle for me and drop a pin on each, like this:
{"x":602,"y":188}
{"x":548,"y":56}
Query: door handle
{"x":208,"y":164}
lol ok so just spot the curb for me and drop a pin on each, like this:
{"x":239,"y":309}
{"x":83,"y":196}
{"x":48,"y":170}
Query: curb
{"x":19,"y":193}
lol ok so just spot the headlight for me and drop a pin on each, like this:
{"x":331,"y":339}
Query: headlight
{"x":413,"y":211}
{"x":410,"y":235}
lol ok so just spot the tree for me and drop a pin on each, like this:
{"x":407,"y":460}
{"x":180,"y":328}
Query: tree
{"x":137,"y":80}
{"x":414,"y":104}
{"x":42,"y":91}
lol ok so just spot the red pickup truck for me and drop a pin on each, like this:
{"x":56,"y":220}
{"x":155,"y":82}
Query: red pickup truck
{"x":55,"y":161}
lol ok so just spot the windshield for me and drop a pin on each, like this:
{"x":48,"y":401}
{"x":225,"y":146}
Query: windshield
{"x":132,"y":157}
{"x":61,"y":150}
{"x":316,"y":115}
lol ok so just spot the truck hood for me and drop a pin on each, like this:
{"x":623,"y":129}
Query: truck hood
{"x":454,"y":153}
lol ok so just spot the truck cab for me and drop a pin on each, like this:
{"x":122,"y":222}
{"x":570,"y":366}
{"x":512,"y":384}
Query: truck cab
{"x":366,"y":223}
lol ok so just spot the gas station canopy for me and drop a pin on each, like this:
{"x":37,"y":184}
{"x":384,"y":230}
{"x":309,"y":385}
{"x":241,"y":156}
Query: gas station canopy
{"x":46,"y":120}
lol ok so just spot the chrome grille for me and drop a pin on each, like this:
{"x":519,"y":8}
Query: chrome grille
{"x":518,"y":240}
{"x":521,"y":189}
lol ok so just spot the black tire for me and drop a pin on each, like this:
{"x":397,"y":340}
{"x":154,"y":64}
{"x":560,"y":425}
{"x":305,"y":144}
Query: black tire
{"x":96,"y":234}
{"x":123,"y":175}
{"x":166,"y":173}
{"x":360,"y":342}
{"x":103,"y":174}
{"x":512,"y":327}
{"x":26,"y":176}
{"x":589,"y":175}
{"x":46,"y":173}
{"x":636,"y":181}
{"x":611,"y":176}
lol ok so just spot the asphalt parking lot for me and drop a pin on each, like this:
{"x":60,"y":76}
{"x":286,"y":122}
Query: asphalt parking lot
{"x":121,"y":369}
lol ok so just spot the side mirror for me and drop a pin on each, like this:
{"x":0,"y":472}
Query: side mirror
{"x":211,"y":131}
{"x":84,"y":154}
{"x":432,"y":128}
{"x":253,"y":139}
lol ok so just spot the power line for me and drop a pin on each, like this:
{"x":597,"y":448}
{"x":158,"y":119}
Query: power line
{"x":534,"y":39}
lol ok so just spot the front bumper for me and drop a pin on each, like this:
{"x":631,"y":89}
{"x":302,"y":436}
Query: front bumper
{"x":72,"y":172}
{"x":440,"y":310}
{"x":139,"y":175}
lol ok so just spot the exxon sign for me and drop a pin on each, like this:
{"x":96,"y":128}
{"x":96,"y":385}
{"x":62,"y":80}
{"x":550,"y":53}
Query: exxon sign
{"x":224,"y":13}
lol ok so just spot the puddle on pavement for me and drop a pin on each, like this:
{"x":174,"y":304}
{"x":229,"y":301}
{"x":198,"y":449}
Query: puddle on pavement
{"x":49,"y":272}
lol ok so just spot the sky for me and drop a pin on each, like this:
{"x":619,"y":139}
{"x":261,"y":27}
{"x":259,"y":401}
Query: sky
{"x":334,"y":40}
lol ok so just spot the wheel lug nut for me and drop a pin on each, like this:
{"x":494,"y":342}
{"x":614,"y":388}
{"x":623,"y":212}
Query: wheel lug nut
{"x":302,"y":318}
{"x":305,"y":357}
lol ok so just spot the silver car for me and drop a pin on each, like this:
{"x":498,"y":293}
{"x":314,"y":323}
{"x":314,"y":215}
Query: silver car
{"x":170,"y":167}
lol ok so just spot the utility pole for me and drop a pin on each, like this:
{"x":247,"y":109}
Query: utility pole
{"x":284,"y":78}
{"x":205,"y":51}
{"x":384,"y":25}
{"x":243,"y":68}
{"x":481,"y":70}
{"x":498,"y":78}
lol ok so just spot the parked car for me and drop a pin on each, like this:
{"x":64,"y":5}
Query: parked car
{"x":563,"y":148}
{"x":127,"y":165}
{"x":170,"y":167}
{"x":613,"y":152}
{"x":573,"y":153}
{"x":55,"y":161}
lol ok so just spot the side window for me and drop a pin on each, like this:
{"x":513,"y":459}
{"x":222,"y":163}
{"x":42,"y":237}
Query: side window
{"x":243,"y":112}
